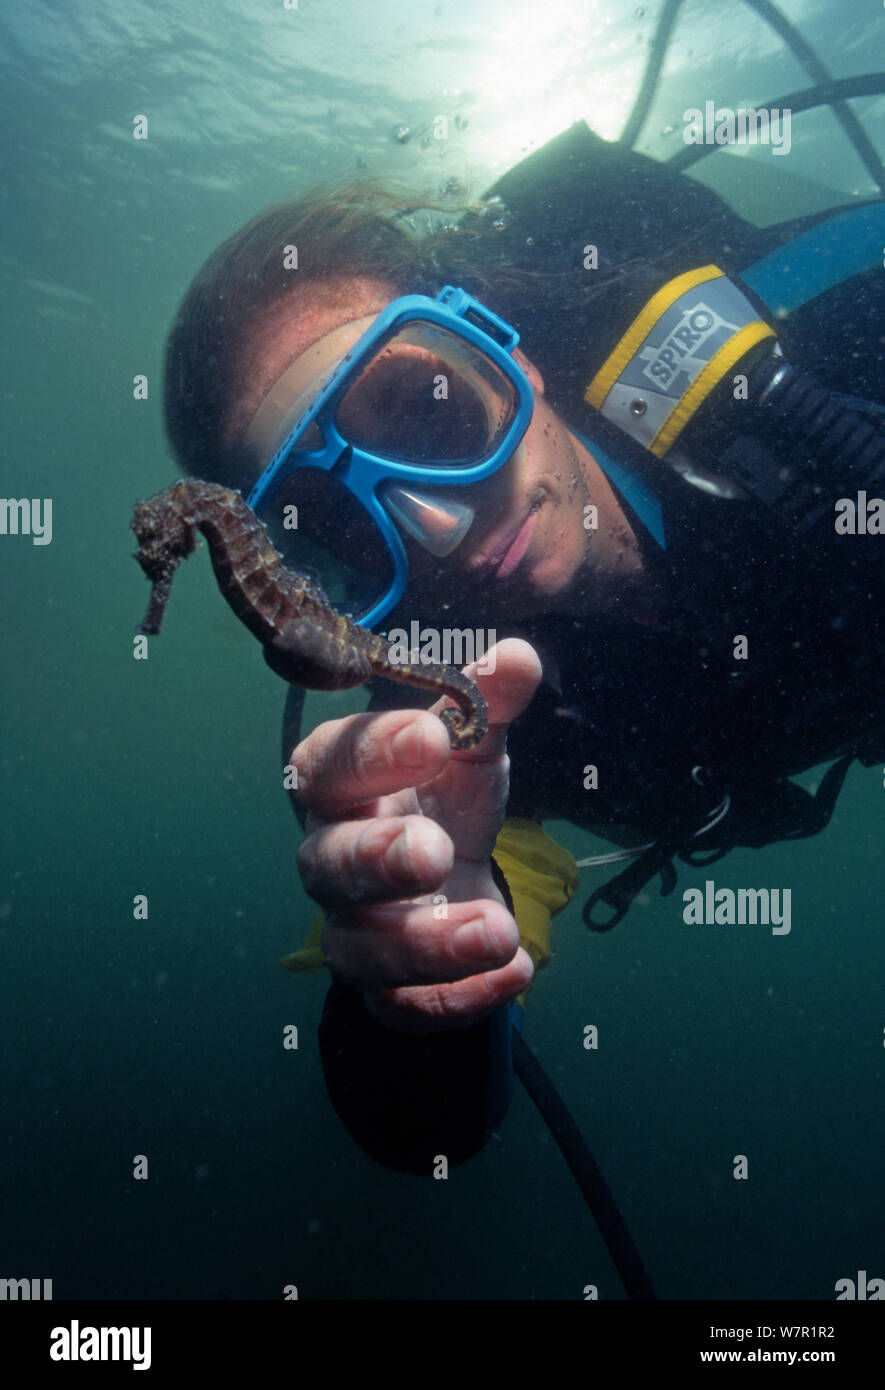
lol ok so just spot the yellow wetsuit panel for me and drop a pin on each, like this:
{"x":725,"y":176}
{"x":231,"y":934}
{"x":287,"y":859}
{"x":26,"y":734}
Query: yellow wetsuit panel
{"x":542,"y":878}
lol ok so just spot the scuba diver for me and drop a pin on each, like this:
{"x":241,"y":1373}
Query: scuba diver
{"x":640,"y":499}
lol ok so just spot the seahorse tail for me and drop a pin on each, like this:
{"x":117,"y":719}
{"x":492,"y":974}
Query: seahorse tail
{"x":466,"y":727}
{"x":467,"y":723}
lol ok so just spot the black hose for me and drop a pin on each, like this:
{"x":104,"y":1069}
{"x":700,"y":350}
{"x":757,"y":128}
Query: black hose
{"x":811,"y":440}
{"x":806,"y":55}
{"x":839,"y":91}
{"x":636,"y":120}
{"x":585,"y":1170}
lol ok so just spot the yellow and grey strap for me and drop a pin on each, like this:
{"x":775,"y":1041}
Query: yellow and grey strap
{"x":686,"y":339}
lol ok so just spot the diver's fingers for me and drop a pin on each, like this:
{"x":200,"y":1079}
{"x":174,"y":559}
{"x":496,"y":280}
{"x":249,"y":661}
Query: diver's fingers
{"x":380,"y":859}
{"x":422,"y":1009}
{"x":508,"y":688}
{"x":406,"y":944}
{"x":345,"y":763}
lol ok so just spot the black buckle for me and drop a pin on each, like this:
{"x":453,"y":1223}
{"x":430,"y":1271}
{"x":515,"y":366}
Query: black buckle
{"x":619,"y":893}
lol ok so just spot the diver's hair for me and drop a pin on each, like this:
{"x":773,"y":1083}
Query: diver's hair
{"x":366,"y":229}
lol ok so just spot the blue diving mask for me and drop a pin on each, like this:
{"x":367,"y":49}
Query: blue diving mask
{"x":360,"y":435}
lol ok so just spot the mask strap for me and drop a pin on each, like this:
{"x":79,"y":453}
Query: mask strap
{"x":292,"y":392}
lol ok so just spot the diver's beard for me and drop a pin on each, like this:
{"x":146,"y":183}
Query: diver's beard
{"x":597,"y":591}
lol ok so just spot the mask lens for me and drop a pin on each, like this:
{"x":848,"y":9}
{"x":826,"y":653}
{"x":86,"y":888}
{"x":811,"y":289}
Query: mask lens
{"x":322,"y":531}
{"x":427,"y":397}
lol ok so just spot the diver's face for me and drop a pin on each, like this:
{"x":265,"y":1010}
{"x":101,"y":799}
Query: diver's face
{"x":529,"y":542}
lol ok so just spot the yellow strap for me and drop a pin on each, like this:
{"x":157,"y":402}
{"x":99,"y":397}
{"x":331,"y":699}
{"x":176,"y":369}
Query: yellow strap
{"x":310,"y":957}
{"x":640,"y":328}
{"x":718,"y":366}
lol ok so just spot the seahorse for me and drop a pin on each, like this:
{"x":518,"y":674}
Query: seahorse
{"x":305,"y":640}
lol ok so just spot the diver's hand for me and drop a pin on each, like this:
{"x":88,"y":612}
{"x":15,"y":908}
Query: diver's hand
{"x":397,"y":819}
